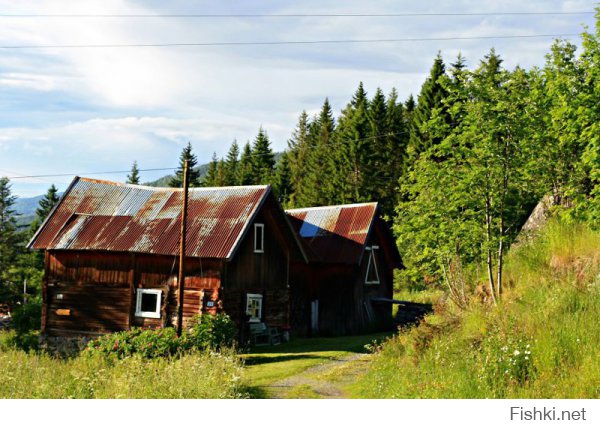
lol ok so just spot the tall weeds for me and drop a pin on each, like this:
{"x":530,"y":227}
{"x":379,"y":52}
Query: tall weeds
{"x":541,"y":341}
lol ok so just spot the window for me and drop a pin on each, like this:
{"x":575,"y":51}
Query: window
{"x":254,"y":306}
{"x":148,"y":303}
{"x":259,"y":238}
{"x":372,"y":272}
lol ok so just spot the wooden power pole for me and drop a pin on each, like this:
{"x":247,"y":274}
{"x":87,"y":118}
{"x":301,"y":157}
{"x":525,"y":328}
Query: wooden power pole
{"x":181,"y":280}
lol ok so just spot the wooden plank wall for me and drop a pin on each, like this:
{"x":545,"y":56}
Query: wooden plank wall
{"x":261,"y":273}
{"x":99,"y":290}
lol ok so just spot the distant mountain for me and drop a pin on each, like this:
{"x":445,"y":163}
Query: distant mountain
{"x":25,"y":210}
{"x":163,"y":182}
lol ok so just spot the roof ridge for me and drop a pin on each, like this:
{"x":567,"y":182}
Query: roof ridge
{"x":167,"y":188}
{"x":372,"y":203}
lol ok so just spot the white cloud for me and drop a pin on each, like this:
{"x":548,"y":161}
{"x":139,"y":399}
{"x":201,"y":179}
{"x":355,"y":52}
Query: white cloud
{"x":106,"y":107}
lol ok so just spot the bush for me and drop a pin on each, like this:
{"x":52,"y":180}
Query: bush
{"x":148,"y":343}
{"x":27,"y":317}
{"x":210,"y":332}
{"x":205,"y":333}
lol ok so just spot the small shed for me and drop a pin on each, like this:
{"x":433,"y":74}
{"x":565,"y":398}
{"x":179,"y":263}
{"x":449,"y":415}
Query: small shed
{"x":112,"y":249}
{"x":347,"y":287}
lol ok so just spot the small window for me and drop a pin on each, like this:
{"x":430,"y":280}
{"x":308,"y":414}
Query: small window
{"x":254,"y":307}
{"x":259,"y":238}
{"x":148,"y":303}
{"x":372,"y":272}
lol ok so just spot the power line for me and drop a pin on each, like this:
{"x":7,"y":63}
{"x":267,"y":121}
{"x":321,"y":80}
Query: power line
{"x":86,"y":174}
{"x":287,"y":15}
{"x":299,"y":42}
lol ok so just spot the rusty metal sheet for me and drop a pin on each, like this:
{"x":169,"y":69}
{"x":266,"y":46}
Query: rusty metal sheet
{"x":334,"y":234}
{"x":101,"y":215}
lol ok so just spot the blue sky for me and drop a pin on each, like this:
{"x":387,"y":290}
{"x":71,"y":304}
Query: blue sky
{"x":87,"y":110}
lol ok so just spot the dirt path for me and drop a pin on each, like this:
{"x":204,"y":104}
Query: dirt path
{"x":326,"y":380}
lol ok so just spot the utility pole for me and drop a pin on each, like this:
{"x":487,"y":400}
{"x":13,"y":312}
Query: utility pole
{"x":181,"y":280}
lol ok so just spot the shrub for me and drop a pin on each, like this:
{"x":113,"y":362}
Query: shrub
{"x":205,"y":332}
{"x":27,"y":317}
{"x":148,"y":343}
{"x":210,"y":332}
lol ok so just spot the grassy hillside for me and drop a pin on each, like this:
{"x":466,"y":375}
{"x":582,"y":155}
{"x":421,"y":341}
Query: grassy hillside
{"x":542,"y":341}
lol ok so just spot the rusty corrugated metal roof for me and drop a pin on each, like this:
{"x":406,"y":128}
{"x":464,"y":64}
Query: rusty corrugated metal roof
{"x":101,"y":215}
{"x":334,"y":234}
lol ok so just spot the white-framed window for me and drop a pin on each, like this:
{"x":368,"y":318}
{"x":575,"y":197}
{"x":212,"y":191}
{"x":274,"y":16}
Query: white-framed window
{"x":148,"y":303}
{"x":372,"y":277}
{"x":254,"y":306}
{"x":259,"y":238}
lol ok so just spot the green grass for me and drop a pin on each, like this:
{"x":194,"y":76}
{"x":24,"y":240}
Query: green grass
{"x":542,"y":341}
{"x":267,"y":365}
{"x":197,"y":375}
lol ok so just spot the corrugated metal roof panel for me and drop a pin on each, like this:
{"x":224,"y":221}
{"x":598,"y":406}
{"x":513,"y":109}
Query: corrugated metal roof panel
{"x":334,"y":234}
{"x":99,"y":215}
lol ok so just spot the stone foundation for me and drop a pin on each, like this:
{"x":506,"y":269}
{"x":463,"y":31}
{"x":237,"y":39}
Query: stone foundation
{"x":64,"y":346}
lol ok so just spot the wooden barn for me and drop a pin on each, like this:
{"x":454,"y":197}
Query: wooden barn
{"x":112,"y":250}
{"x":348,"y":284}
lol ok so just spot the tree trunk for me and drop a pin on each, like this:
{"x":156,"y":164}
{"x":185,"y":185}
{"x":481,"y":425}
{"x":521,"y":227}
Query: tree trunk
{"x":490,"y":268}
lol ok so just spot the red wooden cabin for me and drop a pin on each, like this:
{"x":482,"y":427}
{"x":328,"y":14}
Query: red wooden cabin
{"x":348,"y":284}
{"x":111,"y":253}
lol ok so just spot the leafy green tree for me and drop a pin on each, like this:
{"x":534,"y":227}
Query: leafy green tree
{"x":263,"y":158}
{"x":588,"y":119}
{"x":479,"y":176}
{"x":134,"y":177}
{"x":194,"y":175}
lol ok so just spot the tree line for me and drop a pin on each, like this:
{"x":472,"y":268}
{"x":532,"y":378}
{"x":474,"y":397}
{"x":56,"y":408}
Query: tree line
{"x":456,"y":171}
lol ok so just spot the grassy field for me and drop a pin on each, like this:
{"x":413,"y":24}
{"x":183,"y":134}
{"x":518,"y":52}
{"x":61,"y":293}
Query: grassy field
{"x":542,"y":341}
{"x":199,"y":375}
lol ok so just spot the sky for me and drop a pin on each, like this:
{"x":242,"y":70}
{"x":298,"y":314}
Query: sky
{"x":84,"y":110}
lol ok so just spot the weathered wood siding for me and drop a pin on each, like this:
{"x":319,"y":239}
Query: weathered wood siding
{"x":99,"y":290}
{"x":264,"y":273}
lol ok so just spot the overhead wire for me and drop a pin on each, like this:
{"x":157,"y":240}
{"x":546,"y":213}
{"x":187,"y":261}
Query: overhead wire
{"x":285,"y":15}
{"x":275,"y":43}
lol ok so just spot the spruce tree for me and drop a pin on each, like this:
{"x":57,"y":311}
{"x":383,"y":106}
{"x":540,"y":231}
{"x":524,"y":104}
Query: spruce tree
{"x":352,"y":159}
{"x":230,"y":167}
{"x":211,"y":177}
{"x":245,"y":176}
{"x":10,"y":240}
{"x":430,"y":98}
{"x":394,"y":153}
{"x":194,"y":175}
{"x":317,"y":187}
{"x":282,"y":182}
{"x":376,"y":144}
{"x":299,"y":149}
{"x":263,"y":159}
{"x":47,"y":203}
{"x":134,"y":177}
